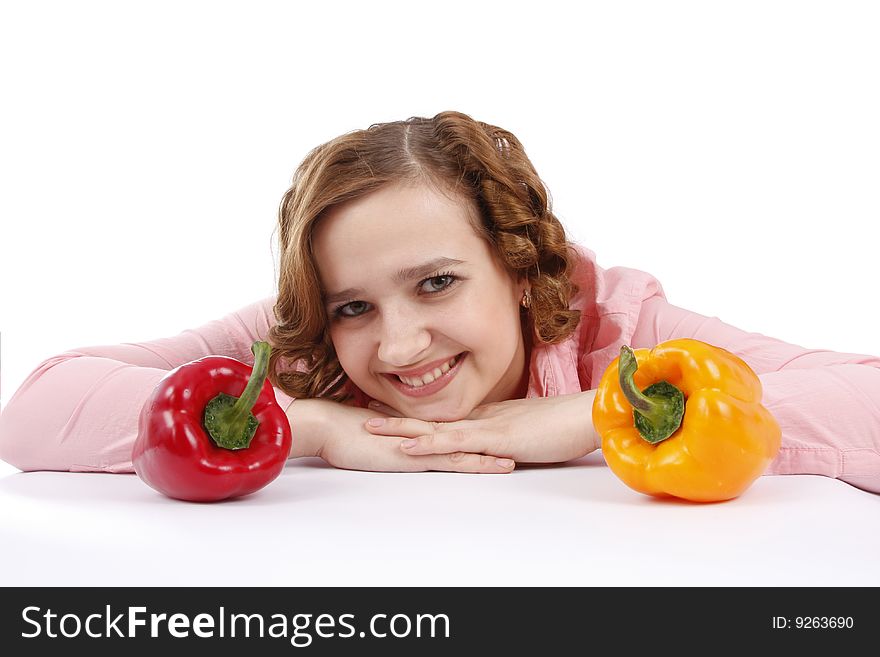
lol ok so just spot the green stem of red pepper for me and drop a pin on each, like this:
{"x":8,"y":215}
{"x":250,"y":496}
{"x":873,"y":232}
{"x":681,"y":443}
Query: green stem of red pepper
{"x":658,"y":409}
{"x":228,"y":420}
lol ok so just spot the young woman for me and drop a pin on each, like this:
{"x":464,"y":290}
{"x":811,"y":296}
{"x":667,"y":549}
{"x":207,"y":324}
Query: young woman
{"x":432,"y":315}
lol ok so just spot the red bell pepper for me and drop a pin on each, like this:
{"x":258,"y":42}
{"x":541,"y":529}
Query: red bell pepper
{"x":212,"y":429}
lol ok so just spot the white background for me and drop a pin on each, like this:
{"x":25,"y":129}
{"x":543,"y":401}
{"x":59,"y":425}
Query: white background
{"x":730,"y":149}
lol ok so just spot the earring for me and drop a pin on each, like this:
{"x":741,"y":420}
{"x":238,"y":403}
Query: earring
{"x":526,"y":299}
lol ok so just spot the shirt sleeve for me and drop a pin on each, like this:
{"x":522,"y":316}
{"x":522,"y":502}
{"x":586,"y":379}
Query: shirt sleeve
{"x":78,"y":411}
{"x":827,"y":403}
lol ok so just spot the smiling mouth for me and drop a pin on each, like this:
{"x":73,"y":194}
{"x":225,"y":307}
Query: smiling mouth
{"x":429,"y":382}
{"x":429,"y":377}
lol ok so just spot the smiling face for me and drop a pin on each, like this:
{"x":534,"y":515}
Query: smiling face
{"x":422,"y":315}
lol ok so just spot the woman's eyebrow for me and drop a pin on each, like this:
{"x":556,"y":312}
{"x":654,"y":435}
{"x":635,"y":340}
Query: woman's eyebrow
{"x":405,"y":274}
{"x":420,"y":271}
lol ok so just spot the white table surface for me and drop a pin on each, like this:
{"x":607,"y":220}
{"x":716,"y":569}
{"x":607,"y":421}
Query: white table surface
{"x":315,"y":525}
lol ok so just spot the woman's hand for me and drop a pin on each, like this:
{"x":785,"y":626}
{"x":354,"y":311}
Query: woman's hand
{"x":345,"y":443}
{"x":533,"y":430}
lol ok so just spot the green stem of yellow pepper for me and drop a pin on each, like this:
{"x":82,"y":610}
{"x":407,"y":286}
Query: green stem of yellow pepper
{"x":658,"y":410}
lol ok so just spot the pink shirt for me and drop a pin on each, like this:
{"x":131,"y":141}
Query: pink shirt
{"x":78,"y":411}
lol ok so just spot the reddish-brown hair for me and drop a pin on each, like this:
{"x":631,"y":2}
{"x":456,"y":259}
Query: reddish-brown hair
{"x":452,"y":153}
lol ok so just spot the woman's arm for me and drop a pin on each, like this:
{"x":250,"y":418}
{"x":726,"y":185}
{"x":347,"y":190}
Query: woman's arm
{"x":826,"y":402}
{"x":78,"y":411}
{"x":305,"y":418}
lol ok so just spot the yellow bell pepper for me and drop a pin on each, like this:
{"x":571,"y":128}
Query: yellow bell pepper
{"x":684,"y":419}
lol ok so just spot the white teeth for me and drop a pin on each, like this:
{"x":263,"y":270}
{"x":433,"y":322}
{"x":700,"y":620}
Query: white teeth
{"x":429,"y":377}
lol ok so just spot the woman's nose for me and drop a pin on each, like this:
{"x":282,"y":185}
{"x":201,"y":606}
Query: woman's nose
{"x":403,"y":340}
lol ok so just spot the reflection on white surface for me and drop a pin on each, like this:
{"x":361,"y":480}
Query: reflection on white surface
{"x":574,"y":524}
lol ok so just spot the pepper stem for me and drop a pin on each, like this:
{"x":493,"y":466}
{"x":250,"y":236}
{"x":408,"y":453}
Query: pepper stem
{"x":658,"y":410}
{"x":228,"y":420}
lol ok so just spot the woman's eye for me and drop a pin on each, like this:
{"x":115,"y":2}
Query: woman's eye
{"x":353,"y":309}
{"x":437,"y":283}
{"x":433,"y":285}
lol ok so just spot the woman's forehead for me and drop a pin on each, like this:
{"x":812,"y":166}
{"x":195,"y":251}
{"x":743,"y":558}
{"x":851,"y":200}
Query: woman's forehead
{"x":403,"y":225}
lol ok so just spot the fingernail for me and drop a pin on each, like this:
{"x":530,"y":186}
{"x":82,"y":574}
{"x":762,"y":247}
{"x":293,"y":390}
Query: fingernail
{"x":504,"y":463}
{"x":376,"y":421}
{"x":407,"y":442}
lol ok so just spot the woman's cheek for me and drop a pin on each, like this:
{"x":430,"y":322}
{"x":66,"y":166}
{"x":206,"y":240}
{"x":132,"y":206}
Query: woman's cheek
{"x":350,"y":351}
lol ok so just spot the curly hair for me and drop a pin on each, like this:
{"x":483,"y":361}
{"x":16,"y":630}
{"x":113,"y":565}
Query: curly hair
{"x":451,"y":153}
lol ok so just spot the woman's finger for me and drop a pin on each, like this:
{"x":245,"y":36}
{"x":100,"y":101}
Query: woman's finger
{"x":451,"y":440}
{"x":454,"y":462}
{"x":400,"y":426}
{"x":472,"y":463}
{"x":421,"y":437}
